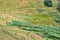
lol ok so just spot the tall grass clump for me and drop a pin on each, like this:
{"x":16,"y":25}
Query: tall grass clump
{"x":18,"y":23}
{"x":58,"y":6}
{"x":56,"y":17}
{"x":39,"y":10}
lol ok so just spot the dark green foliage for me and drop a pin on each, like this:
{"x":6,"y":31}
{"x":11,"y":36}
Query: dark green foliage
{"x":48,"y":3}
{"x":58,"y":6}
{"x":45,"y":31}
{"x":17,"y":23}
{"x":56,"y":17}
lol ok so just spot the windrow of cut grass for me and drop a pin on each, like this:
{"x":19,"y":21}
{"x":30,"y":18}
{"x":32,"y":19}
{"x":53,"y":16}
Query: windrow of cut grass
{"x":44,"y":31}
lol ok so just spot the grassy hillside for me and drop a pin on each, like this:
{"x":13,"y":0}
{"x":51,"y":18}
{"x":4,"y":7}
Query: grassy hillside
{"x":18,"y":19}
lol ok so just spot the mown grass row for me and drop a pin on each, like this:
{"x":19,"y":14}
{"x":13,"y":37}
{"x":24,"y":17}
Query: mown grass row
{"x":45,"y":31}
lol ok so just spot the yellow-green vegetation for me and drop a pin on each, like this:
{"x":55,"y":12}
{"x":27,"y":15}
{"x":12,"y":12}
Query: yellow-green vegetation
{"x":29,"y":20}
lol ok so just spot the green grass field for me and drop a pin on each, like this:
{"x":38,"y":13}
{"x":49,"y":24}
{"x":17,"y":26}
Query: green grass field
{"x":29,"y":20}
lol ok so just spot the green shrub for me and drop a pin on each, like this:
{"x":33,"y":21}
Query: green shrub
{"x":58,"y":6}
{"x":17,"y":23}
{"x":48,"y":3}
{"x":56,"y":17}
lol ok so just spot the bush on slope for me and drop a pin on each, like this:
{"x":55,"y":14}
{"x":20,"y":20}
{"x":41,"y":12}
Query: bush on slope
{"x":48,"y":3}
